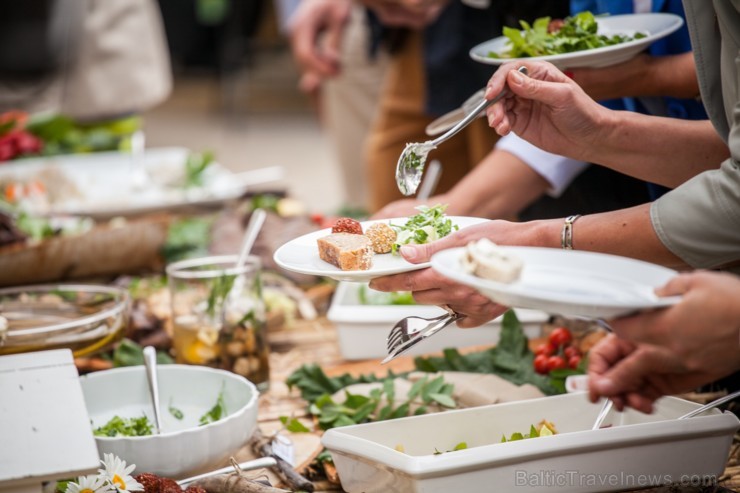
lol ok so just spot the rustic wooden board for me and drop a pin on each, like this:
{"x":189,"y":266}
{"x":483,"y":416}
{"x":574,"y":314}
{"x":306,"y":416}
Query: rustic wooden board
{"x":103,"y":251}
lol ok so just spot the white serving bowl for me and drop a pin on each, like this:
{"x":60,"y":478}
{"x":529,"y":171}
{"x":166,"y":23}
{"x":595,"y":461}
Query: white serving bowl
{"x":184,"y":446}
{"x":636,"y":451}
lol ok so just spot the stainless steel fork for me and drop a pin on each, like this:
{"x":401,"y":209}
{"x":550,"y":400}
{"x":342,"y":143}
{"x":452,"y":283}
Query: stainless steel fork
{"x":410,"y":331}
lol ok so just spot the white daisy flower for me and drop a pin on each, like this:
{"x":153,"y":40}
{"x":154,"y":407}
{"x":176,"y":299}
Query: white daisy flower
{"x":88,"y":484}
{"x":116,"y":472}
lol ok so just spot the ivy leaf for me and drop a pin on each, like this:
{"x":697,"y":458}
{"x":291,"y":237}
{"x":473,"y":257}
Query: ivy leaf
{"x":293,"y":425}
{"x":400,"y":412}
{"x":443,"y":399}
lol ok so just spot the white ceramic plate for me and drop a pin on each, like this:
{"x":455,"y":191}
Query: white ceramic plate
{"x":100,"y":185}
{"x":655,"y":25}
{"x":569,"y":283}
{"x":302,"y":255}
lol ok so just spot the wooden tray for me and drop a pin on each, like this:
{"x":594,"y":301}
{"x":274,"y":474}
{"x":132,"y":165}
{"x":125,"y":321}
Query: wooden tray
{"x":105,"y":250}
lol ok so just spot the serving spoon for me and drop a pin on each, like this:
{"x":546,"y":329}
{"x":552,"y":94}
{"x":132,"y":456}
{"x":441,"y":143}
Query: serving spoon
{"x":413,"y":158}
{"x":150,"y":362}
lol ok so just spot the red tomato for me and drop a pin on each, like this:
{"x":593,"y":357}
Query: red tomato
{"x":540,"y":364}
{"x":560,"y":337}
{"x":571,"y":351}
{"x":317,"y":218}
{"x":545,"y":348}
{"x":574,"y":361}
{"x":556,"y":363}
{"x":27,"y":143}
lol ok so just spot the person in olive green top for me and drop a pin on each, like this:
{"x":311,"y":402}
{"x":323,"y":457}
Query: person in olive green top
{"x":695,"y":225}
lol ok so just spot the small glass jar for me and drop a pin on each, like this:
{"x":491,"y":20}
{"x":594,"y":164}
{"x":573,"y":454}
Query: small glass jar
{"x":218,"y":316}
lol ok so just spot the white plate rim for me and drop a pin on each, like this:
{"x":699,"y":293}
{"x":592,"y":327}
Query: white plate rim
{"x":571,"y":59}
{"x":356,"y":275}
{"x":445,"y":263}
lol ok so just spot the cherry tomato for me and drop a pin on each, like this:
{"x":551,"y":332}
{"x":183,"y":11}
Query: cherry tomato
{"x":317,"y":218}
{"x":540,"y":364}
{"x":574,"y":361}
{"x":571,"y":351}
{"x":560,"y":337}
{"x":556,"y":363}
{"x":545,"y":348}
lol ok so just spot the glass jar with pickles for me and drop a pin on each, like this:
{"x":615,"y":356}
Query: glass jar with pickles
{"x":218,"y":316}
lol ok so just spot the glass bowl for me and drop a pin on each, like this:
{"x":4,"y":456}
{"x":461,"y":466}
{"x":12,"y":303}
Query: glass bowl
{"x":84,"y":318}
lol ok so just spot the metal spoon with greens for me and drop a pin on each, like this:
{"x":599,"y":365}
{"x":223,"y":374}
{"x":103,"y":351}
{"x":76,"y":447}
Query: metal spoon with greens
{"x":413,"y":158}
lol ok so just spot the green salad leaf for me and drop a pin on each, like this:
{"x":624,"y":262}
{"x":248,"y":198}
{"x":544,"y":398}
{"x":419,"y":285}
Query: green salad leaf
{"x":187,"y":238}
{"x":217,"y":412}
{"x":428,"y":225}
{"x":578,"y":33}
{"x":367,"y":296}
{"x":129,"y":353}
{"x":125,"y":427}
{"x":195,"y":165}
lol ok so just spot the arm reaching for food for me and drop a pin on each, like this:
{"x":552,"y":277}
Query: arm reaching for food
{"x":553,"y":112}
{"x":643,"y":75}
{"x":498,"y":187}
{"x":674,"y":349}
{"x":313,"y":20}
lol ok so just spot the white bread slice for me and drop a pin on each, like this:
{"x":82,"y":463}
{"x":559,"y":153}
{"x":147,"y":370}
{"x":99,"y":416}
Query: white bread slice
{"x":347,"y":251}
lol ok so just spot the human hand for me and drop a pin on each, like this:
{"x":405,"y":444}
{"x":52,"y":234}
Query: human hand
{"x":313,"y":19}
{"x":414,"y":14}
{"x":636,"y":374}
{"x":671,"y":350}
{"x":546,"y":108}
{"x":703,"y":329}
{"x":431,"y":288}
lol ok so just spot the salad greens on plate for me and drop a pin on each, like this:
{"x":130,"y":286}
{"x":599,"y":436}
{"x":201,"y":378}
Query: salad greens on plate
{"x":544,"y":37}
{"x":428,"y":225}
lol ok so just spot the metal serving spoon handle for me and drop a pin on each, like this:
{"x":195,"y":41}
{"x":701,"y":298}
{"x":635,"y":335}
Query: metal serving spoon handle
{"x":150,"y":362}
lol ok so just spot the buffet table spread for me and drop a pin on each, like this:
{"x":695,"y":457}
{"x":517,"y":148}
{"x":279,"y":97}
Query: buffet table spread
{"x":316,"y":341}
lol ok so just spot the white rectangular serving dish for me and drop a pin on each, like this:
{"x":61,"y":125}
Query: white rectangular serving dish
{"x":362,"y":329}
{"x":637,"y":451}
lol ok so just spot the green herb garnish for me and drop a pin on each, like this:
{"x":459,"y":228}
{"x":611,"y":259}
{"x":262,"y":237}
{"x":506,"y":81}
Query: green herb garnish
{"x":578,"y":33}
{"x":187,"y":238}
{"x":219,"y":291}
{"x":429,"y":225}
{"x":175,"y":412}
{"x":129,"y":353}
{"x":366,"y":296}
{"x":195,"y":165}
{"x":459,"y":446}
{"x":380,"y":404}
{"x":123,"y":427}
{"x":543,"y":431}
{"x":217,"y":412}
